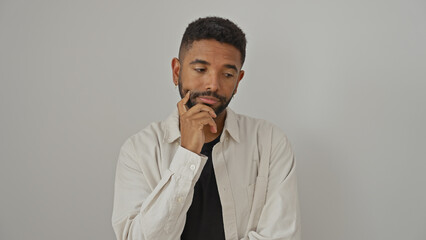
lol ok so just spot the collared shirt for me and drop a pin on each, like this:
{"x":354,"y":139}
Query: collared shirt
{"x":255,"y":173}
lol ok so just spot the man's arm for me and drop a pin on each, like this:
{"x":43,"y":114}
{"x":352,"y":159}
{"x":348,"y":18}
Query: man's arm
{"x":141,"y":212}
{"x":280,"y":215}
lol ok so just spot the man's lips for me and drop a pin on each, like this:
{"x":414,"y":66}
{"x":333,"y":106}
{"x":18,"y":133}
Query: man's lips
{"x":208,"y":100}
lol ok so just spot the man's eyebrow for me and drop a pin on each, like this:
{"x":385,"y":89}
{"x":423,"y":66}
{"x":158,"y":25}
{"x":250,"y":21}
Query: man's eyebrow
{"x":207,"y":63}
{"x":199,"y":61}
{"x":231,"y":66}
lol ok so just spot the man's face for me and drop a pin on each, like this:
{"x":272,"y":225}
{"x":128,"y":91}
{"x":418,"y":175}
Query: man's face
{"x":211,"y":71}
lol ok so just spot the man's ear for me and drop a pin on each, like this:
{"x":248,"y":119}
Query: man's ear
{"x":240,"y":77}
{"x":175,"y":70}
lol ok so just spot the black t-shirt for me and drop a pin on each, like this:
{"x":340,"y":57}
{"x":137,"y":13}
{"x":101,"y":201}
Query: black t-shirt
{"x":204,"y":217}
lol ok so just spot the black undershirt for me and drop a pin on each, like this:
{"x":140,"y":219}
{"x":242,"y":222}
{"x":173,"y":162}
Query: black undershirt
{"x":204,"y":217}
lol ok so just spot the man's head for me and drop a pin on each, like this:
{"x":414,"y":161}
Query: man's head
{"x":211,"y":55}
{"x":219,"y":29}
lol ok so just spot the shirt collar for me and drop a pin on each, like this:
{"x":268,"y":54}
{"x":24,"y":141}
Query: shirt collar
{"x":172,"y":132}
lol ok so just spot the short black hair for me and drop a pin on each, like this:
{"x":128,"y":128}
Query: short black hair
{"x":219,"y":29}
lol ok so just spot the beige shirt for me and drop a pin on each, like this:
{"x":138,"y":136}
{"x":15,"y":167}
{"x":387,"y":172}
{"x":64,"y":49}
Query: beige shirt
{"x":255,"y":174}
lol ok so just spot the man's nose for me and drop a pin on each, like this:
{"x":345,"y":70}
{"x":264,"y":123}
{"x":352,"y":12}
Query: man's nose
{"x":212,"y":82}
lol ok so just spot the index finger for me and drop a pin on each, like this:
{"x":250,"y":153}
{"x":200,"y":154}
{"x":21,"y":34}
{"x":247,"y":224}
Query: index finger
{"x":202,"y":108}
{"x":181,"y":105}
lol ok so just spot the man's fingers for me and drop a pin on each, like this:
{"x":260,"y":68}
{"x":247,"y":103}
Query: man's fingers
{"x":186,"y":98}
{"x":200,"y":115}
{"x":202,"y":108}
{"x":182,"y":104}
{"x":208,"y":121}
{"x":213,"y":126}
{"x":204,"y":118}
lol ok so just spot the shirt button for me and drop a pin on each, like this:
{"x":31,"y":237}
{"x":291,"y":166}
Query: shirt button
{"x":180,"y":199}
{"x":192,"y":167}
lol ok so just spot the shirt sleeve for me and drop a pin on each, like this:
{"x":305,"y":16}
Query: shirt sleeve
{"x":280,"y":216}
{"x":140,"y":212}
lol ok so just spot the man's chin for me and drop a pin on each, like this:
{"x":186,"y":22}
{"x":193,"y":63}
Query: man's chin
{"x":218,"y":109}
{"x":213,"y":106}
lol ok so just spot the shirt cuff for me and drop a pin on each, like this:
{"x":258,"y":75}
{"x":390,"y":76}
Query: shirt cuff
{"x":187,"y":164}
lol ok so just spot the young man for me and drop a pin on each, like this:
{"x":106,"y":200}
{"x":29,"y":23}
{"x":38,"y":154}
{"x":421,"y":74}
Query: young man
{"x":207,"y":172}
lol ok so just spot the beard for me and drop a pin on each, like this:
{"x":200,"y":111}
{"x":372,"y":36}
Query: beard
{"x":223,"y":102}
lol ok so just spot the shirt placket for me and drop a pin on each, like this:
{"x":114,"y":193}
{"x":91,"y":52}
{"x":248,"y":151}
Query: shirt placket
{"x":225,"y":192}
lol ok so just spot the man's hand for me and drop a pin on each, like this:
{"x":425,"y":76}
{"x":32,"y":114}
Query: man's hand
{"x":192,"y":123}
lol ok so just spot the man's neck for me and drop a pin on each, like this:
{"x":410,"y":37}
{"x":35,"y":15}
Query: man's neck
{"x":220,"y":122}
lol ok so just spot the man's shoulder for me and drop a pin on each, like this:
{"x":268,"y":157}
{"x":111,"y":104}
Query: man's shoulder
{"x":253,"y":121}
{"x":149,"y":136}
{"x":261,"y":127}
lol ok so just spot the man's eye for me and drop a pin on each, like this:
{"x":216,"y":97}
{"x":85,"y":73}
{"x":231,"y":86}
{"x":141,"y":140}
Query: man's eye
{"x":200,"y":69}
{"x":229,"y":75}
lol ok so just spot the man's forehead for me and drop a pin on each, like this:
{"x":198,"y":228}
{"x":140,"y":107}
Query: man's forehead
{"x":208,"y":50}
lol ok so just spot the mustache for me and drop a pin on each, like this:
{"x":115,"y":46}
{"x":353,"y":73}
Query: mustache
{"x":194,"y":95}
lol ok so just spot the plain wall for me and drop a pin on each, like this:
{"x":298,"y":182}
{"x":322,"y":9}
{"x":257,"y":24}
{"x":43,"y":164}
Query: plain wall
{"x":345,"y":79}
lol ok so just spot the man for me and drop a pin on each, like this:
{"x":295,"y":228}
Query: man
{"x":207,"y":172}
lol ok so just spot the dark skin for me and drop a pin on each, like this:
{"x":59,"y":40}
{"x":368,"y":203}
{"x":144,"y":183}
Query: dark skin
{"x":207,"y":66}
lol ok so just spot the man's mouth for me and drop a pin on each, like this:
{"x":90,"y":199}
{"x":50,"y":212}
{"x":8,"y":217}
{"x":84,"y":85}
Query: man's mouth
{"x":208,"y":100}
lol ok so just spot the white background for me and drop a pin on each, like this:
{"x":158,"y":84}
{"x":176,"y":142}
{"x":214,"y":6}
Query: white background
{"x":344,"y":79}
